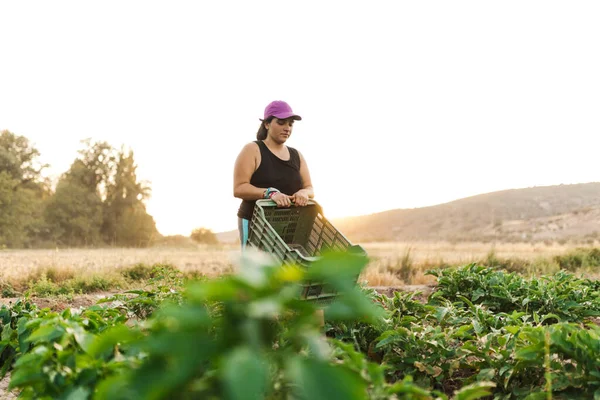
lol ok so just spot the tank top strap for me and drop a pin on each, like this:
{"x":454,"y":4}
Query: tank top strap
{"x":265,"y":153}
{"x":294,"y":156}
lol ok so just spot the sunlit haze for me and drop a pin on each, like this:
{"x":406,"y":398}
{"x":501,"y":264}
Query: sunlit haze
{"x":404,"y":104}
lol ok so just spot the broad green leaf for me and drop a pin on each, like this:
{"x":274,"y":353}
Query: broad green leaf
{"x":512,"y":329}
{"x":550,"y":316}
{"x":531,"y":353}
{"x":7,"y":363}
{"x":407,"y":387}
{"x":46,"y":333}
{"x":4,"y":315}
{"x":83,"y":338}
{"x":339,"y":269}
{"x":463,"y":332}
{"x":79,"y":393}
{"x":486,"y":374}
{"x":115,"y":388}
{"x":110,"y":338}
{"x":504,"y":369}
{"x":315,"y":380}
{"x":475,"y":391}
{"x":7,"y":333}
{"x":25,"y":376}
{"x":354,"y":305}
{"x":477,"y":326}
{"x":391,"y":337}
{"x":467,"y":302}
{"x":217,"y":290}
{"x":477,"y":294}
{"x":265,"y":308}
{"x":317,"y":345}
{"x":441,"y":313}
{"x":245,"y":375}
{"x":22,"y":325}
{"x":537,"y":396}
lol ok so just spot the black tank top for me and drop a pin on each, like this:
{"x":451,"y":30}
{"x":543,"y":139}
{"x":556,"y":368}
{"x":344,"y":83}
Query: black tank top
{"x":273,"y":172}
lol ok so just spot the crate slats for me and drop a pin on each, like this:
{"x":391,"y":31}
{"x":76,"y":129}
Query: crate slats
{"x":297,"y":235}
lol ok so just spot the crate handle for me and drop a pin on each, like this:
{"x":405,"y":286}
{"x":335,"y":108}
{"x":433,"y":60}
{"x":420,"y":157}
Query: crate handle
{"x":271,"y":203}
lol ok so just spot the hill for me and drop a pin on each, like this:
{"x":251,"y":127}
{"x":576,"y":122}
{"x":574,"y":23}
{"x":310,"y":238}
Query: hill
{"x":546,"y":213}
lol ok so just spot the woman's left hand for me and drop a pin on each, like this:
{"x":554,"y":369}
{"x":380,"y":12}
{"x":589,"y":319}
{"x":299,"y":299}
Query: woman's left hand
{"x":300,"y":198}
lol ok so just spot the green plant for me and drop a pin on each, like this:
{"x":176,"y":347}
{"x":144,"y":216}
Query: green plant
{"x":563,"y":295}
{"x":6,"y":290}
{"x":483,"y":333}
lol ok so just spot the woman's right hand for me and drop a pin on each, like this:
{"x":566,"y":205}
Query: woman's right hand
{"x":282,"y":199}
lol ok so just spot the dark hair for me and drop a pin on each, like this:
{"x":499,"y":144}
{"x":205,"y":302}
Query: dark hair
{"x":262,"y":129}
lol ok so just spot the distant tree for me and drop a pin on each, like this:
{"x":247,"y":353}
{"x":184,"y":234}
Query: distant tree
{"x":74,"y":214}
{"x":100,"y":200}
{"x":94,"y":166}
{"x":135,"y":227}
{"x":22,"y":191}
{"x":204,"y":236}
{"x":126,"y":222}
{"x":19,"y":159}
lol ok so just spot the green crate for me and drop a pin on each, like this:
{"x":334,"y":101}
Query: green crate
{"x":298,"y":235}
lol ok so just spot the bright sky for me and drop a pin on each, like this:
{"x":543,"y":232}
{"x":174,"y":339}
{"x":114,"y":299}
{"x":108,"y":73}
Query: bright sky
{"x":404,"y":104}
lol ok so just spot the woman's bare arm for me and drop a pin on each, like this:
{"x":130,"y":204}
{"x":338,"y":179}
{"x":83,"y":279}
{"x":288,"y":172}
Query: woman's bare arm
{"x":246,"y":163}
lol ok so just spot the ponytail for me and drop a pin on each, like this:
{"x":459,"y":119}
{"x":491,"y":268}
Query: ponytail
{"x":262,"y":129}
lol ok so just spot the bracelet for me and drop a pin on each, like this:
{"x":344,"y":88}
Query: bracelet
{"x":268,"y":192}
{"x":272,"y":194}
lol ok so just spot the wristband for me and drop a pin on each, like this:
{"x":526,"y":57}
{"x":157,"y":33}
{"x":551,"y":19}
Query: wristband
{"x":272,"y":194}
{"x":269,"y":191}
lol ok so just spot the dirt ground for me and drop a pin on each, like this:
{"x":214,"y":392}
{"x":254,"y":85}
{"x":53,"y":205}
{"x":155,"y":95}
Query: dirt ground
{"x":4,"y":393}
{"x":87,"y":300}
{"x":60,"y":303}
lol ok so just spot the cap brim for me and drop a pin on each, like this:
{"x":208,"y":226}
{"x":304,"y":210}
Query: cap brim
{"x":285,"y":116}
{"x":288,"y":115}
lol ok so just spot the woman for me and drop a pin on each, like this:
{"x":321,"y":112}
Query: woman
{"x":268,"y":169}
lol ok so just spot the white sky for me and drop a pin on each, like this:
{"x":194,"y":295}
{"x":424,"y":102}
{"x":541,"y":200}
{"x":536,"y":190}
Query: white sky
{"x":405,"y":104}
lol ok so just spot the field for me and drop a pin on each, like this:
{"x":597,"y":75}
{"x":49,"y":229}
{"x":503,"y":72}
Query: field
{"x":391,"y":264}
{"x":480,"y":333}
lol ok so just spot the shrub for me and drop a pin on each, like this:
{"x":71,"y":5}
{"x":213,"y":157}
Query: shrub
{"x":204,"y":236}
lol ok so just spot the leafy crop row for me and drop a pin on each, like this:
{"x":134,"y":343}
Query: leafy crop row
{"x":481,"y":333}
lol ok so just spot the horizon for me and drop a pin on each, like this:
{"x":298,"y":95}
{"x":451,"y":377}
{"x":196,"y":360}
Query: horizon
{"x":439,"y":204}
{"x":403,"y":105}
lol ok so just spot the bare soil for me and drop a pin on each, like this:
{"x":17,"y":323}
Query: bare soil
{"x":61,"y":303}
{"x":4,"y":393}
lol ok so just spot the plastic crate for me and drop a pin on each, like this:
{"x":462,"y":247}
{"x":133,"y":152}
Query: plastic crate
{"x":298,"y":235}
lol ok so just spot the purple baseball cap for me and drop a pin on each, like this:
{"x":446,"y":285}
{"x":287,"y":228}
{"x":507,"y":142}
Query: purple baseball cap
{"x":281,"y":110}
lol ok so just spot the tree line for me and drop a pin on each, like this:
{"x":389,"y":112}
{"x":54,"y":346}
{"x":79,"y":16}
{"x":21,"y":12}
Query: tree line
{"x":98,"y":201}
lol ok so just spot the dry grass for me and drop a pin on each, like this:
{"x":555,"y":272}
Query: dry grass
{"x":18,"y":267}
{"x":387,"y":258}
{"x":426,"y":252}
{"x":392,"y":264}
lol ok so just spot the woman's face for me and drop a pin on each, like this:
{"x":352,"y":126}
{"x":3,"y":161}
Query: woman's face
{"x":280,"y":129}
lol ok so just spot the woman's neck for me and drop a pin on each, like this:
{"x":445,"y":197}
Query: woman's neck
{"x":273,"y":145}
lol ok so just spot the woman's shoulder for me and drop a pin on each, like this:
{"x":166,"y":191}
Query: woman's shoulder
{"x":293,"y":150}
{"x":252,"y":146}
